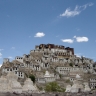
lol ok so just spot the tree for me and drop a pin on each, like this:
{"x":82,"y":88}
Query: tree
{"x":71,"y":64}
{"x":60,"y":76}
{"x":67,"y":81}
{"x":32,"y":77}
{"x":53,"y":87}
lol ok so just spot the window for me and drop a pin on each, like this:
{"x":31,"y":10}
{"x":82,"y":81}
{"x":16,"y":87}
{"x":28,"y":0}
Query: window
{"x":7,"y":69}
{"x":46,"y":65}
{"x":10,"y":69}
{"x":15,"y":72}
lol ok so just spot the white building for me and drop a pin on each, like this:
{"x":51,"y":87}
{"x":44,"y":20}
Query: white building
{"x":15,"y":70}
{"x":46,"y":78}
{"x":20,"y":59}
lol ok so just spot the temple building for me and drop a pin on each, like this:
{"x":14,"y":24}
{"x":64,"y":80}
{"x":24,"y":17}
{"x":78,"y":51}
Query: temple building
{"x":47,"y":77}
{"x":78,"y":86}
{"x":49,"y":63}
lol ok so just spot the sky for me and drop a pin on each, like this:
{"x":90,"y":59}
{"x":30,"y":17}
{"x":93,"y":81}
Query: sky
{"x":26,"y":23}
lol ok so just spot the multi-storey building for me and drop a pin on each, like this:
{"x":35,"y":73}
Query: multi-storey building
{"x":57,"y":58}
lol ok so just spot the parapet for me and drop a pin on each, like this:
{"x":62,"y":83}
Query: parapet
{"x":18,"y":57}
{"x":5,"y":60}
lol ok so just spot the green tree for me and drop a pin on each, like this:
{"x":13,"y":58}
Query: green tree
{"x":53,"y":87}
{"x":60,"y":76}
{"x":32,"y":77}
{"x":71,"y":64}
{"x":67,"y":81}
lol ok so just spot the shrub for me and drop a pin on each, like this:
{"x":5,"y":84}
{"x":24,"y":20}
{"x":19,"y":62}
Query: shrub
{"x":60,"y":76}
{"x":67,"y":81}
{"x":71,"y":64}
{"x":53,"y":87}
{"x":32,"y":77}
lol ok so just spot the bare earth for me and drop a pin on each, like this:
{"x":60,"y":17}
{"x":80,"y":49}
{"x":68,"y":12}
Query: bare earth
{"x":49,"y":94}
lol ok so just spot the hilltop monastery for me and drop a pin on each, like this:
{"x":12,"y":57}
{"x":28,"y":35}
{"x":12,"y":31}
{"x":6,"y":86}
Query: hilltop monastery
{"x":48,"y":63}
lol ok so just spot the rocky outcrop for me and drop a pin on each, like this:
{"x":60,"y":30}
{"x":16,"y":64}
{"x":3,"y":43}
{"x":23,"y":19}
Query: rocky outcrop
{"x":10,"y":84}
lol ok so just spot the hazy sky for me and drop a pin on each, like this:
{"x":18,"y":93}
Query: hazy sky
{"x":26,"y":23}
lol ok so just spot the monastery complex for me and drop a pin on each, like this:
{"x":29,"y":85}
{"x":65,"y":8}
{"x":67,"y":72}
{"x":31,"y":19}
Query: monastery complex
{"x":48,"y":63}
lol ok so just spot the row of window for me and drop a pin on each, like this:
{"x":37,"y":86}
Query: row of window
{"x":50,"y":78}
{"x":63,"y":68}
{"x":93,"y":87}
{"x":92,"y":79}
{"x":71,"y":79}
{"x":62,"y":54}
{"x":20,"y":74}
{"x":68,"y":68}
{"x":11,"y":69}
{"x":93,"y":84}
{"x":19,"y":58}
{"x":54,"y":59}
{"x":64,"y":71}
{"x":38,"y":60}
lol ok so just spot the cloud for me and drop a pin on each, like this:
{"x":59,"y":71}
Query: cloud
{"x":39,"y":34}
{"x":91,"y":4}
{"x":86,"y":5}
{"x":78,"y":39}
{"x":1,"y":49}
{"x":79,"y":55}
{"x":68,"y":40}
{"x":0,"y":55}
{"x":69,"y":13}
{"x":12,"y":47}
{"x":77,"y":10}
{"x":81,"y":39}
